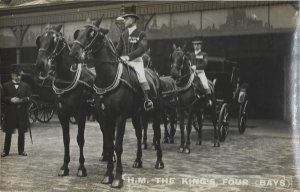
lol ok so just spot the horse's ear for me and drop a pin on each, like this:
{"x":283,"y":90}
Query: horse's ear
{"x":98,"y":22}
{"x":174,"y":47}
{"x":76,"y":33}
{"x":58,"y":28}
{"x":37,"y":41}
{"x":104,"y":31}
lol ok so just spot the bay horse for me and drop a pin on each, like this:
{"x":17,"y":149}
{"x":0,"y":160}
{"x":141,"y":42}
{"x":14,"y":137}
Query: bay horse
{"x":119,"y":97}
{"x":191,"y":98}
{"x":168,"y":107}
{"x":53,"y":60}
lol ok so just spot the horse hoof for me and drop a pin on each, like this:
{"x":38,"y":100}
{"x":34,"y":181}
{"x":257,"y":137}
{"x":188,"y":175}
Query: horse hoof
{"x":117,"y":183}
{"x":159,"y":165}
{"x":81,"y":172}
{"x":153,"y":147}
{"x":145,"y":146}
{"x":63,"y":172}
{"x":180,"y":150}
{"x":199,"y":143}
{"x":107,"y":179}
{"x":137,"y":164}
{"x":187,"y":151}
{"x":217,"y":144}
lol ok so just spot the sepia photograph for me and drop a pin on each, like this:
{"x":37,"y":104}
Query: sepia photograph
{"x":151,"y":96}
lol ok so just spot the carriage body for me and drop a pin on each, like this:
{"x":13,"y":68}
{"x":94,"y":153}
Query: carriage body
{"x":231,"y":96}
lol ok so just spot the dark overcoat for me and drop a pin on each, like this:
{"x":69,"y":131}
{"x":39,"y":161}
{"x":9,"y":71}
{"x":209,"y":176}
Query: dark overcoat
{"x":15,"y":114}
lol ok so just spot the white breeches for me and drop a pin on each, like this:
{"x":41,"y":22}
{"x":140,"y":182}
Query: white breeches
{"x":202,"y":76}
{"x":138,"y":66}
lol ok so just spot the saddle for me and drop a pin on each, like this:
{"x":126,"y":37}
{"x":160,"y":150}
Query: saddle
{"x":200,"y":88}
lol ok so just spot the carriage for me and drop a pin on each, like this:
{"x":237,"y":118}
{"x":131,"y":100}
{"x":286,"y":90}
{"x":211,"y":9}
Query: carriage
{"x":42,"y":103}
{"x":231,"y":94}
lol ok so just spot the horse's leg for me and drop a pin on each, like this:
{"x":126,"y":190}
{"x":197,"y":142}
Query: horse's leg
{"x":200,"y":125}
{"x":64,"y":121}
{"x":214,"y":121}
{"x":187,"y":149}
{"x":108,"y":134}
{"x":157,"y":134}
{"x":80,"y":140}
{"x":172,"y":125}
{"x":166,"y":122}
{"x":144,"y":121}
{"x":138,"y":133}
{"x":182,"y":139}
{"x":120,"y":125}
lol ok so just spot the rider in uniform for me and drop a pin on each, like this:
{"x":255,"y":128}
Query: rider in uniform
{"x":199,"y":60}
{"x":132,"y":45}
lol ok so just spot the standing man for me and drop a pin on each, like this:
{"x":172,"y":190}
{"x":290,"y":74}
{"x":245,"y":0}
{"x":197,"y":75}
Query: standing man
{"x":15,"y":96}
{"x":132,"y":45}
{"x":199,"y":60}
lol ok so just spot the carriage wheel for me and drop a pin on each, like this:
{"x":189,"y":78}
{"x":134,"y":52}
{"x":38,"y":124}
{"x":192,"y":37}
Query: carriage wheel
{"x":223,"y":126}
{"x":243,"y":114}
{"x":32,"y":111}
{"x":73,"y":120}
{"x":45,"y":112}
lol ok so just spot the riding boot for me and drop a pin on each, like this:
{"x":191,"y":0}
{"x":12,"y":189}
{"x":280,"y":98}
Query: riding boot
{"x":148,"y":104}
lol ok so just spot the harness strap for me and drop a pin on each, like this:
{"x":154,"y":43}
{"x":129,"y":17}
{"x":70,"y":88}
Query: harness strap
{"x":188,"y":85}
{"x":102,"y":91}
{"x":60,"y":91}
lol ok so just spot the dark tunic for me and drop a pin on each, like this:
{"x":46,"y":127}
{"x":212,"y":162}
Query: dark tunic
{"x":16,"y":115}
{"x":133,"y":45}
{"x":200,"y":60}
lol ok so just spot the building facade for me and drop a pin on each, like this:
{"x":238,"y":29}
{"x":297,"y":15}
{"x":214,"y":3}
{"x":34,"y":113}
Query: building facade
{"x":258,"y":35}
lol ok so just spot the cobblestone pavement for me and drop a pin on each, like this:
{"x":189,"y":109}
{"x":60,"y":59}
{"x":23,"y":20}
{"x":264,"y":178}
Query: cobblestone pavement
{"x":260,"y":160}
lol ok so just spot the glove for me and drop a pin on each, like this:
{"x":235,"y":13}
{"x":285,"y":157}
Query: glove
{"x":194,"y":67}
{"x":125,"y":58}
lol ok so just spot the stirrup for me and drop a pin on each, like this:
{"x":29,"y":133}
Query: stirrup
{"x":148,"y":105}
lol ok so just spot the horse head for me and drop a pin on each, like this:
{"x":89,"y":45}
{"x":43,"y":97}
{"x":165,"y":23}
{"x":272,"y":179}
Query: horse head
{"x":180,"y":65}
{"x":50,"y":45}
{"x":88,"y":41}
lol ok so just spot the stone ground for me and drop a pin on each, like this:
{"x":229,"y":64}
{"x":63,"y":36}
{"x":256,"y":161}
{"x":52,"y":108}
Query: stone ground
{"x":260,"y":160}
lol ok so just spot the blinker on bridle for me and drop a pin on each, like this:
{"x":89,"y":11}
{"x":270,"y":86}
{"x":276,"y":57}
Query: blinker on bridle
{"x":54,"y":53}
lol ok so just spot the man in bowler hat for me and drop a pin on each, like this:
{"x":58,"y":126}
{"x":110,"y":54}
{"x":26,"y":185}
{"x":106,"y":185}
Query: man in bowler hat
{"x":16,"y":95}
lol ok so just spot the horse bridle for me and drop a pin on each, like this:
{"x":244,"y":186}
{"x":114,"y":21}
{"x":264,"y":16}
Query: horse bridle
{"x":181,"y":67}
{"x":87,"y":50}
{"x":55,"y":52}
